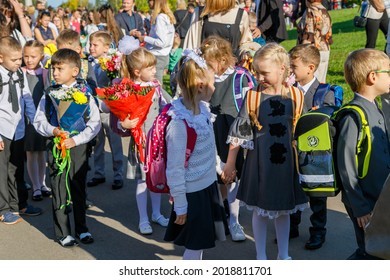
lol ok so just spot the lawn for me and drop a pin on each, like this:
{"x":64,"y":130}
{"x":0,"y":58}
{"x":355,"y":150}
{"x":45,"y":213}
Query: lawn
{"x":346,"y":38}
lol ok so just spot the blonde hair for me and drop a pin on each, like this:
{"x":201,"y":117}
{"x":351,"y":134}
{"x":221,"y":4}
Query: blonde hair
{"x":162,"y":7}
{"x":359,"y":64}
{"x":215,"y":48}
{"x":137,"y":60}
{"x":307,"y":53}
{"x":278,"y":55}
{"x":188,"y":78}
{"x":9,"y":44}
{"x":68,"y":38}
{"x":102,"y":36}
{"x":218,"y":7}
{"x":34,"y":44}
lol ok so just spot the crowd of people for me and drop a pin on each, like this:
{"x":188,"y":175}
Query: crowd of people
{"x":232,"y":83}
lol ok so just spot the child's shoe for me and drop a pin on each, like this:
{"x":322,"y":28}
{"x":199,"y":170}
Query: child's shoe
{"x":68,"y":241}
{"x":161,"y":220}
{"x":85,"y":238}
{"x":46,"y":192}
{"x":10,"y":218}
{"x":30,"y":210}
{"x":236,"y":232}
{"x":37,"y":195}
{"x":145,"y":228}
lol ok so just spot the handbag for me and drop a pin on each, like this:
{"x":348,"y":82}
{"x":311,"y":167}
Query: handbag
{"x":359,"y":21}
{"x":377,"y":232}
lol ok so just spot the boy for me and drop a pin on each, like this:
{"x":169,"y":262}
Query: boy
{"x":304,"y":62}
{"x":15,"y":102}
{"x":367,"y":72}
{"x":66,"y":67}
{"x":99,"y":45}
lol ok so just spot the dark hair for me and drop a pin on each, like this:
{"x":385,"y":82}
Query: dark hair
{"x":66,"y":56}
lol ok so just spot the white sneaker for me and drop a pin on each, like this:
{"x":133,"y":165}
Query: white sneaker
{"x":145,"y":228}
{"x":237,"y":233}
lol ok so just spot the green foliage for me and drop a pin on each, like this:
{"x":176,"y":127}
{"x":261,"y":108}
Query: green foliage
{"x":346,"y":38}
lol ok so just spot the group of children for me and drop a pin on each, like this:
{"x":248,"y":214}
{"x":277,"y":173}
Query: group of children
{"x":260,"y":119}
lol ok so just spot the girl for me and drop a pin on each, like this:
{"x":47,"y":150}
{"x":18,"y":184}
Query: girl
{"x":35,"y":144}
{"x":43,"y":32}
{"x":219,"y":56}
{"x":58,"y":22}
{"x":197,"y":219}
{"x":268,"y":181}
{"x":160,"y":40}
{"x":107,"y":22}
{"x":140,"y":66}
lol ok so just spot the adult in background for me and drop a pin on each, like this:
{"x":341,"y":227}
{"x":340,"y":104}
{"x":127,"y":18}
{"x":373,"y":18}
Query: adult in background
{"x":223,"y":18}
{"x":376,"y":19}
{"x":128,"y":20}
{"x":162,"y":31}
{"x":183,"y":15}
{"x":270,"y":21}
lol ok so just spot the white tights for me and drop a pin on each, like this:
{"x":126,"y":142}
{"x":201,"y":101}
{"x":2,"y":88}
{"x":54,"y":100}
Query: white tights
{"x":192,"y":254}
{"x":142,"y":202}
{"x":282,"y":227}
{"x":36,"y":168}
{"x":234,"y":204}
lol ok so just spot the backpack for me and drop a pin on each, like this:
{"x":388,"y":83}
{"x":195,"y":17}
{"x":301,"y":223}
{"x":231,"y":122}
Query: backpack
{"x":322,"y":90}
{"x":239,"y":75}
{"x":316,"y":134}
{"x":20,"y":80}
{"x":156,"y":152}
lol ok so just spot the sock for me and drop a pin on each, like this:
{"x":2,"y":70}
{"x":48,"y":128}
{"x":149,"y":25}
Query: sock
{"x":282,"y":227}
{"x":42,"y":169}
{"x":142,"y":199}
{"x":156,"y":204}
{"x":192,"y":254}
{"x":234,"y":204}
{"x":259,"y":224}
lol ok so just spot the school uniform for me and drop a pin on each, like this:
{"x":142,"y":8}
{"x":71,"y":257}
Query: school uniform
{"x":360,"y":195}
{"x":77,"y":173}
{"x":13,"y":108}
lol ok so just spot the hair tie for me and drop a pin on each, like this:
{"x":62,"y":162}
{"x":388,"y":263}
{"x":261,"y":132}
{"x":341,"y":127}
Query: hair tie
{"x":192,"y":54}
{"x":128,"y":44}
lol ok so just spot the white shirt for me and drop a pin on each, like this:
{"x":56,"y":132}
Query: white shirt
{"x":12,"y":125}
{"x":306,"y":87}
{"x":160,"y":40}
{"x":44,"y":128}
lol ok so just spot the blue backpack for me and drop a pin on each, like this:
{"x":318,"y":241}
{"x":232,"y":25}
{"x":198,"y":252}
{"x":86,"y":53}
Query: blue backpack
{"x":321,"y":92}
{"x":240,"y":74}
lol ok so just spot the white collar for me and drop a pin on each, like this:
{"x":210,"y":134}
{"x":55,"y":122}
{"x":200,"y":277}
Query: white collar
{"x":364,"y":98}
{"x":306,"y":87}
{"x":224,"y":76}
{"x":70,"y":86}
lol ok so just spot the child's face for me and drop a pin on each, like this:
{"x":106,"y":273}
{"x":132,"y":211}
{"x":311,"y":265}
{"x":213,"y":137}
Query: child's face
{"x":97,"y":48}
{"x":32,"y":57}
{"x":45,"y":21}
{"x":12,"y":60}
{"x":147,"y":74}
{"x":216,"y":66}
{"x":268,"y":73}
{"x":65,"y":73}
{"x":304,"y":73}
{"x":207,"y":89}
{"x":57,"y":22}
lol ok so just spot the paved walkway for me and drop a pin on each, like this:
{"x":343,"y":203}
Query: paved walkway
{"x":113,"y":221}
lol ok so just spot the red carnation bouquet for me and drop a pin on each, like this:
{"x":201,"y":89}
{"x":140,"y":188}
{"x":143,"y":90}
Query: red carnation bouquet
{"x":128,"y":98}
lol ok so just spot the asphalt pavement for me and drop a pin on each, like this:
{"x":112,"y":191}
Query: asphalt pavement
{"x":113,"y":221}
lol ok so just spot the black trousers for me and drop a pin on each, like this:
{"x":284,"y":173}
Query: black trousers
{"x":13,"y":192}
{"x":359,"y":232}
{"x":76,"y":180}
{"x":372,"y":28}
{"x":318,"y":218}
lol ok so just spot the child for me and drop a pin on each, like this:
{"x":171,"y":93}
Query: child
{"x":175,"y":54}
{"x":69,"y":185}
{"x":367,"y":73}
{"x":15,"y":102}
{"x":35,"y":144}
{"x":140,"y":66}
{"x":219,"y":56}
{"x":304,"y":62}
{"x":252,"y":26}
{"x":99,"y":45}
{"x":269,"y":184}
{"x":197,"y":217}
{"x":44,"y":34}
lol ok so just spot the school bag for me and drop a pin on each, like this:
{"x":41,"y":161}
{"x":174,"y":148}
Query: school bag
{"x":238,"y":78}
{"x":156,"y":152}
{"x":316,"y":134}
{"x":322,"y":91}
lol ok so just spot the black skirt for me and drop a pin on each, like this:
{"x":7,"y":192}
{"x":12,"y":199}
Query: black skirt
{"x":33,"y":141}
{"x":206,"y":221}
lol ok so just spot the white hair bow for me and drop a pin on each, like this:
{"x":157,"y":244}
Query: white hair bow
{"x":128,"y":44}
{"x":192,"y":54}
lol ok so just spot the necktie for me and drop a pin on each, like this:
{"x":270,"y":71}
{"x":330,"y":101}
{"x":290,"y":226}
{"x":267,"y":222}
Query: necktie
{"x":13,"y":95}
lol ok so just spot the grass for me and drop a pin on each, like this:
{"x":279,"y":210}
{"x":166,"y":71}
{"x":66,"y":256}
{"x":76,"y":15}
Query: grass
{"x":346,"y":38}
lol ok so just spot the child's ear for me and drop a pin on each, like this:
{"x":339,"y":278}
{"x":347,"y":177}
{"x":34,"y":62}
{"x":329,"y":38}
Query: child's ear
{"x":1,"y":58}
{"x":137,"y":72}
{"x":75,"y":71}
{"x":312,"y":67}
{"x":371,"y":78}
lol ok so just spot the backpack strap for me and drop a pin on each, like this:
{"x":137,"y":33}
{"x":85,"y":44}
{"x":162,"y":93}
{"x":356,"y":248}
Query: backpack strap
{"x":364,"y":133}
{"x":297,"y":98}
{"x":191,"y":140}
{"x":237,"y":85}
{"x":319,"y":95}
{"x":253,"y":98}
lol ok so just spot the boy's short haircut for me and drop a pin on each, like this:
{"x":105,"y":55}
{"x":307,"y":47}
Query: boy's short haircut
{"x":68,"y":37}
{"x":9,"y":44}
{"x":307,"y":53}
{"x":35,"y":44}
{"x":252,"y":17}
{"x":360,"y":63}
{"x":66,"y":56}
{"x":102,"y":36}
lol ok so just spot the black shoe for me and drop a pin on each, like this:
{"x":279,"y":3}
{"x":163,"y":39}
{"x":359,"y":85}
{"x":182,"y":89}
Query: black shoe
{"x":88,"y":204}
{"x":96,"y":181}
{"x":360,"y":255}
{"x":87,"y":238}
{"x":118,"y":184}
{"x":315,"y":242}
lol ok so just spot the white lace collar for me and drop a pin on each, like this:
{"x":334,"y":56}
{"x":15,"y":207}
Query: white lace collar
{"x":201,"y":122}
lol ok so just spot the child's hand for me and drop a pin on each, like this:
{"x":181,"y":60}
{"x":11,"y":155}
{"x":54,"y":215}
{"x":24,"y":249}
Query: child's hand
{"x":181,"y":219}
{"x":364,"y":220}
{"x":1,"y":145}
{"x":69,"y":143}
{"x":129,"y":124}
{"x":229,"y":173}
{"x":57,"y":132}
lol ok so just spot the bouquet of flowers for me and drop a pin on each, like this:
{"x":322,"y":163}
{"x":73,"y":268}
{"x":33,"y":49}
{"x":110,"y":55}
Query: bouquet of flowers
{"x":111,"y":63}
{"x":128,"y":98}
